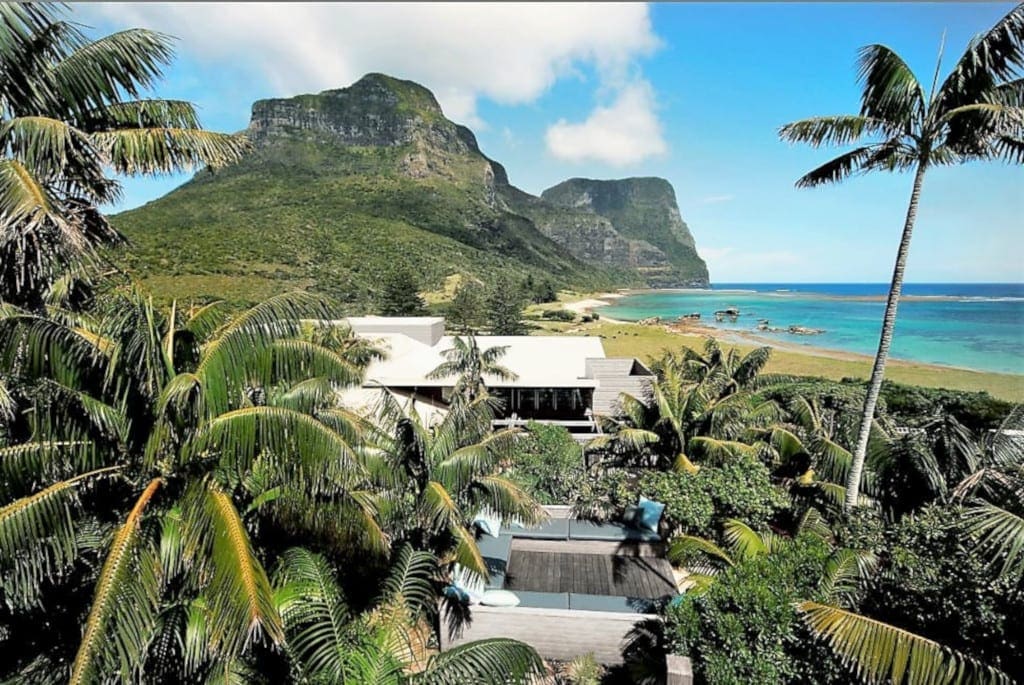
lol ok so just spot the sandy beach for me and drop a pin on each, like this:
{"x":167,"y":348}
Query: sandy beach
{"x":588,"y":305}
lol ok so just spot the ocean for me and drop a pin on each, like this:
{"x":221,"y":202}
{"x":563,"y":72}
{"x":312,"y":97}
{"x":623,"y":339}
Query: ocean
{"x":969,"y":325}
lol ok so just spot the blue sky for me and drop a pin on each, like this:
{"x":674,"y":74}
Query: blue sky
{"x":691,"y":92}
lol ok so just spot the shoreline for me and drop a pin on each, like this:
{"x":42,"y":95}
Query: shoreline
{"x":588,"y":304}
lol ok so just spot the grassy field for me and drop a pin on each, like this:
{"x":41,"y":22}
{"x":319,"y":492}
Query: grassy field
{"x":645,"y":342}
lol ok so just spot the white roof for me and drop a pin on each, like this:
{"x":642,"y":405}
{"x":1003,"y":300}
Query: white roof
{"x":357,"y":321}
{"x":538,"y":361}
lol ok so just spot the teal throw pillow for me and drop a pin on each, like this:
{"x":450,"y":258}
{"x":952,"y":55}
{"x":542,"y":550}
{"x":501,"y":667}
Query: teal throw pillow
{"x":650,"y":513}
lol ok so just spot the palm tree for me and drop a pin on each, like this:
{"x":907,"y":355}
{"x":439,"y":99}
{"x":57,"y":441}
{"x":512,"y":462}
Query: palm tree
{"x":440,"y":477}
{"x":977,"y":113}
{"x":147,"y":449}
{"x":470,"y":364}
{"x":71,"y":110}
{"x":697,"y":403}
{"x":387,"y":643}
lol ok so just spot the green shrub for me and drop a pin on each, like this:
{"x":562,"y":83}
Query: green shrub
{"x":696,"y":504}
{"x":932,"y":582}
{"x":745,"y":628}
{"x":559,"y":315}
{"x":548,"y":463}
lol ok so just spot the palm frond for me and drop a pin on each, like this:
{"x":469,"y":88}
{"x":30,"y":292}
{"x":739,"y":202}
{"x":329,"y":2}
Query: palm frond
{"x":509,"y":500}
{"x":880,"y":652}
{"x":439,"y":508}
{"x":39,"y":460}
{"x":719,"y":450}
{"x":296,"y":441}
{"x":891,"y":92}
{"x":813,"y":523}
{"x":1000,"y":537}
{"x":152,"y":151}
{"x":682,"y":548}
{"x":843,"y":129}
{"x":47,"y":146}
{"x":37,"y":536}
{"x":97,"y":72}
{"x":123,"y":606}
{"x":410,"y":580}
{"x":844,"y":571}
{"x":235,"y":350}
{"x":994,"y":55}
{"x":839,"y":168}
{"x":144,"y":113}
{"x":493,"y":661}
{"x":315,"y":615}
{"x":745,"y":542}
{"x":240,"y":602}
{"x":467,"y":554}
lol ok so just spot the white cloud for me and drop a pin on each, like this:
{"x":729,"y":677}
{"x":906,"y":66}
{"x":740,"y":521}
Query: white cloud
{"x":625,"y":132}
{"x":510,"y":53}
{"x":716,"y":199}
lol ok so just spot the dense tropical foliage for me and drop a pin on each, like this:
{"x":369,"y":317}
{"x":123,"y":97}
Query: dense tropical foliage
{"x":975,"y":114}
{"x":71,"y":112}
{"x":784,"y":586}
{"x":185,"y":498}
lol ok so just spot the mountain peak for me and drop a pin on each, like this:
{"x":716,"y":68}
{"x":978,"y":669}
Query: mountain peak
{"x":377,"y":110}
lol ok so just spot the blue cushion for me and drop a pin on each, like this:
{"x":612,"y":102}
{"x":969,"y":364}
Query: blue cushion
{"x":543,"y":600}
{"x":552,"y":529}
{"x":609,"y":532}
{"x":495,"y":547}
{"x":650,"y":513}
{"x":623,"y":605}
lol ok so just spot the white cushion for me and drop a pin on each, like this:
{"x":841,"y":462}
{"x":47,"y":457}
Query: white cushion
{"x":499,"y":598}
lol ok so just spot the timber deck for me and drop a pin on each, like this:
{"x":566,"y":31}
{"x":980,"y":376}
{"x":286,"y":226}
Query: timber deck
{"x":592,"y":574}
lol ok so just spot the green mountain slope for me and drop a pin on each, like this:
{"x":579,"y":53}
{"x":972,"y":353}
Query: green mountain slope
{"x":340,"y":187}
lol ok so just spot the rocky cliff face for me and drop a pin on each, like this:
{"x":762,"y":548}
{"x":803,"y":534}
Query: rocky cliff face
{"x":376,"y":110}
{"x":643,"y":211}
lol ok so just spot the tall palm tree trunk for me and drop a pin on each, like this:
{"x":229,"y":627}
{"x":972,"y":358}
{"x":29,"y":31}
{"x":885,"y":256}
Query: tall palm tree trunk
{"x":888,"y":325}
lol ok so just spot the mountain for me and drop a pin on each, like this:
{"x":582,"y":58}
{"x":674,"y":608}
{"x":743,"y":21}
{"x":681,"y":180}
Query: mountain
{"x":341,"y":186}
{"x":644,"y":212}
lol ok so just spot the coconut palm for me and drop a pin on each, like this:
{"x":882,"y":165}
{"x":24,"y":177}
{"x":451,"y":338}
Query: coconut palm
{"x":147,"y":448}
{"x":388,"y":643}
{"x":466,"y":361}
{"x":72,"y":112}
{"x":441,"y":477}
{"x":698,"y":404}
{"x":976,"y":113}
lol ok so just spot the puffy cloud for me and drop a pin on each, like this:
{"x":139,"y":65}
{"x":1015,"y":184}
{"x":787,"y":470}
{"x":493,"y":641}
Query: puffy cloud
{"x":510,"y":53}
{"x":625,"y":132}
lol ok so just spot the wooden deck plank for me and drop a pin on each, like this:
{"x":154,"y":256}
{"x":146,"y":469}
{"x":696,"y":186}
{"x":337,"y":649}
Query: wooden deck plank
{"x":592,"y":574}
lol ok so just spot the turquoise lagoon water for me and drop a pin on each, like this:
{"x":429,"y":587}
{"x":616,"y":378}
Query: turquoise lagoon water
{"x":970,"y":325}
